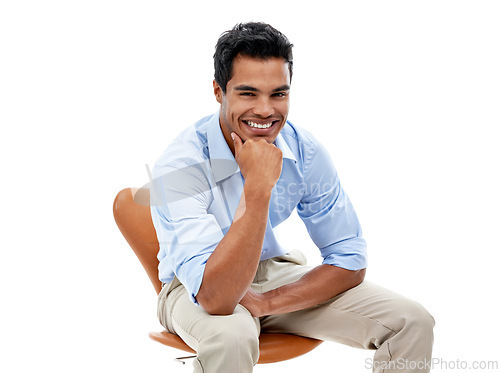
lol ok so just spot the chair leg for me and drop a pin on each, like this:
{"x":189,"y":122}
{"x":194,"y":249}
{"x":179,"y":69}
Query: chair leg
{"x":181,"y":359}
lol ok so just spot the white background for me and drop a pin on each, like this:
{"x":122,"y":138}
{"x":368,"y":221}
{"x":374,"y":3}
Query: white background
{"x":404,"y":94}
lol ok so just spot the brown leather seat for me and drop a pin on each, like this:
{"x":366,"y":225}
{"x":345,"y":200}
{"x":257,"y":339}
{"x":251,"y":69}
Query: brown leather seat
{"x":132,"y":215}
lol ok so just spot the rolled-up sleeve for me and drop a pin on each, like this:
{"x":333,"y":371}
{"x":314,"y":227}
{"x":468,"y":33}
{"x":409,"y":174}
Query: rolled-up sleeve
{"x":328,"y":213}
{"x":187,"y":233}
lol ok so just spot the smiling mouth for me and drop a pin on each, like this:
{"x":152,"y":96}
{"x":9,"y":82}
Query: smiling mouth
{"x":266,"y":125}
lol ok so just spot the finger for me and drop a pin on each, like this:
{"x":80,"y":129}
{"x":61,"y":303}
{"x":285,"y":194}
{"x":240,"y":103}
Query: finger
{"x":237,"y":142}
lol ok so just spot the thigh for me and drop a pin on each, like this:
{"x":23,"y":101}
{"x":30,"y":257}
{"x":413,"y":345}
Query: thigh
{"x":194,"y":325}
{"x":363,"y":316}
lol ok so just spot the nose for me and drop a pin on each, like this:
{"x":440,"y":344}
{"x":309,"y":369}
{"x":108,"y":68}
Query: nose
{"x":263,"y":107}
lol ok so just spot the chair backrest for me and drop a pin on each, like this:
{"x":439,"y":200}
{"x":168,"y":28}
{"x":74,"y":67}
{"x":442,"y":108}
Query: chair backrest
{"x":134,"y":221}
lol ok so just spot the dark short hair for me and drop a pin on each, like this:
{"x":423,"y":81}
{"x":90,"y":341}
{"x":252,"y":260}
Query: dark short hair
{"x":252,"y":39}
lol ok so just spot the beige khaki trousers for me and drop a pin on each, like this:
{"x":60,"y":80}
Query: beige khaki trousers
{"x":366,"y":316}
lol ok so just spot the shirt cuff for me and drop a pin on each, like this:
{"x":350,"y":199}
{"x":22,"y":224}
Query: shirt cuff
{"x":191,"y":275}
{"x":348,"y":255}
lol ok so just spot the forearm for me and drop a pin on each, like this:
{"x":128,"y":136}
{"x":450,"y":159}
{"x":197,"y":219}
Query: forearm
{"x":317,"y":286}
{"x":231,"y":268}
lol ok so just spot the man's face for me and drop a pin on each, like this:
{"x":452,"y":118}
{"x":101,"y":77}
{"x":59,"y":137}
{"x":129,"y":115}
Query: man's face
{"x":256,"y":96}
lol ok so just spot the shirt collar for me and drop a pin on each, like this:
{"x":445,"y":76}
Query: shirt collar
{"x":217,"y":144}
{"x":285,"y":149}
{"x":222,"y":160}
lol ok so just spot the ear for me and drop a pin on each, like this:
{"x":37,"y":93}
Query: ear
{"x":218,"y":92}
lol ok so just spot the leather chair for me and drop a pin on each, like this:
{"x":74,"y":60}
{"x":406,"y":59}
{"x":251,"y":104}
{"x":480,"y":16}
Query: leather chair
{"x":132,"y":215}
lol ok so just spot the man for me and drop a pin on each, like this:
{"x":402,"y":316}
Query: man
{"x":219,"y":190}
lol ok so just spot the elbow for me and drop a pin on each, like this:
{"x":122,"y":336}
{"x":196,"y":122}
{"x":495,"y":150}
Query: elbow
{"x":359,"y":276}
{"x":220,"y":310}
{"x":214,"y":306}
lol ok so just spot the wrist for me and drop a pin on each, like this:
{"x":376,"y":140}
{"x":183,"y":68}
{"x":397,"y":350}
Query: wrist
{"x":256,"y":190}
{"x":265,"y":304}
{"x":260,"y":306}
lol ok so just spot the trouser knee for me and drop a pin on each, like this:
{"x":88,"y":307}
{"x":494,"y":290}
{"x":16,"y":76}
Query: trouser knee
{"x":234,"y":339}
{"x":415,"y":322}
{"x":419,"y":318}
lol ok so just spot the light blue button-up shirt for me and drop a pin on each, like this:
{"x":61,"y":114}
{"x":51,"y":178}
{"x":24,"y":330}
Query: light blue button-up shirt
{"x":197,"y":187}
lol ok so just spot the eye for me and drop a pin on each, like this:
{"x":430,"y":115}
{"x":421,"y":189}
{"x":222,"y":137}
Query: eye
{"x":247,"y":94}
{"x":280,"y":94}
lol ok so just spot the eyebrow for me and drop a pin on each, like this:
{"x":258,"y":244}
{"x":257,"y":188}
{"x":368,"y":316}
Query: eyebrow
{"x":284,"y":87}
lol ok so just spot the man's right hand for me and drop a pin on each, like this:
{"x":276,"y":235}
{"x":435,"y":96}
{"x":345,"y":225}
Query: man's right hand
{"x":260,"y":162}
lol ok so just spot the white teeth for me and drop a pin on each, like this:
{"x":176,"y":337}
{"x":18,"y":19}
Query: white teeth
{"x":256,"y":125}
